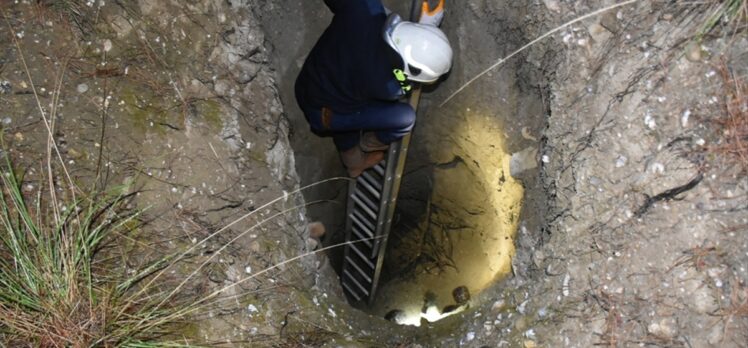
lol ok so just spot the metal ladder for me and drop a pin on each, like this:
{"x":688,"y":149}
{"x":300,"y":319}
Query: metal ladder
{"x":371,"y":207}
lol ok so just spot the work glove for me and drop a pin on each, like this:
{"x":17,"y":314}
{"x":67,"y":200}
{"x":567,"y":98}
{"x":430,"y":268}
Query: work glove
{"x":432,"y":16}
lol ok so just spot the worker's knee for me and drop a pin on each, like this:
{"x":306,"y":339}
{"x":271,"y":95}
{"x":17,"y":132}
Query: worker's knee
{"x":404,"y":116}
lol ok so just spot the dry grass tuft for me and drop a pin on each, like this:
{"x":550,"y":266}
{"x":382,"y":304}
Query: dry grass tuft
{"x":733,"y":127}
{"x":75,"y":13}
{"x":699,"y":257}
{"x":59,"y":285}
{"x":735,"y":315}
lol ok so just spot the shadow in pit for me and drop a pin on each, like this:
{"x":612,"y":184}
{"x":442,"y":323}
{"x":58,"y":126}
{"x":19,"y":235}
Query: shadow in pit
{"x":416,"y":241}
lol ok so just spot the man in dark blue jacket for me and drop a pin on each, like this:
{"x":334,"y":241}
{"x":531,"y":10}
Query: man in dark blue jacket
{"x":352,"y":82}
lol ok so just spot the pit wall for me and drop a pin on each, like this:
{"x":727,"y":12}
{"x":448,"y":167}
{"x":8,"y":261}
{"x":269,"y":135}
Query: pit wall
{"x":644,"y":235}
{"x":178,"y":102}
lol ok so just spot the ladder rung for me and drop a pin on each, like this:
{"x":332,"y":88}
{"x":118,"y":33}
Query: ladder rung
{"x":372,"y":205}
{"x":377,"y":184}
{"x":379,"y":168}
{"x":374,"y":178}
{"x":363,"y":226}
{"x":361,"y":255}
{"x":361,"y":238}
{"x":368,"y":186}
{"x":351,"y":278}
{"x":369,"y":225}
{"x":350,"y":291}
{"x":360,"y":271}
{"x":364,"y":206}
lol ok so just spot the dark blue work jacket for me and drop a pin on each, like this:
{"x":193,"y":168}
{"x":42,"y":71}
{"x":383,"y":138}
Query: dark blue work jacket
{"x":350,"y":65}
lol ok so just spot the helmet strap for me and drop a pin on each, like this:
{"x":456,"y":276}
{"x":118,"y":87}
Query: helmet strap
{"x":402,"y":79}
{"x":398,"y":65}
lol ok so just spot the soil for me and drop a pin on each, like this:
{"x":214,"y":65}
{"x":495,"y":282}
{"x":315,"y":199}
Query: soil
{"x":630,"y":230}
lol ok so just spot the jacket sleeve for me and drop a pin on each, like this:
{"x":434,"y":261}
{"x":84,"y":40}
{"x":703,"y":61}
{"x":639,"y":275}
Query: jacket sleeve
{"x":371,"y":7}
{"x":337,"y":6}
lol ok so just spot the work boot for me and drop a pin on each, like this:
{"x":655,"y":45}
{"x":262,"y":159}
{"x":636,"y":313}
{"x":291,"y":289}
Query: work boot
{"x":356,"y":161}
{"x":370,"y":143}
{"x":316,"y":230}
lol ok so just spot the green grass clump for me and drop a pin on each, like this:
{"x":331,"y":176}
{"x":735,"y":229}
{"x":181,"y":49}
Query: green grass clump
{"x":726,"y":12}
{"x":60,"y":285}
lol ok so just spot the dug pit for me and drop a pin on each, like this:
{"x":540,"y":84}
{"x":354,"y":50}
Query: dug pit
{"x":459,"y":206}
{"x":457,"y":223}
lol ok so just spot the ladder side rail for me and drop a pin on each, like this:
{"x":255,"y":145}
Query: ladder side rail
{"x":396,"y":159}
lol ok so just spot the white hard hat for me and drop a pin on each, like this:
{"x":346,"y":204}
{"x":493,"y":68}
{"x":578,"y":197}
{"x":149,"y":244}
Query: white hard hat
{"x":425,"y":49}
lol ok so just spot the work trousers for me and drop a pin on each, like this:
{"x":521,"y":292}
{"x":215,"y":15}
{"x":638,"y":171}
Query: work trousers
{"x":390,"y":121}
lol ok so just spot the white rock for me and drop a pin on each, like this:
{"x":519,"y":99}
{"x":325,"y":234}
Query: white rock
{"x":252,"y":309}
{"x":658,"y":168}
{"x":621,"y":161}
{"x":649,"y":121}
{"x":523,"y":161}
{"x":5,"y":86}
{"x":552,"y":5}
{"x":522,"y":307}
{"x":530,"y":334}
{"x":565,"y":285}
{"x":665,"y":328}
{"x":684,"y":118}
{"x":82,"y":88}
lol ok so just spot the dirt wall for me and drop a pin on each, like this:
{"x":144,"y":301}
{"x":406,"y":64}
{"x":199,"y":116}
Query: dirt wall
{"x":644,"y":238}
{"x":631,"y":229}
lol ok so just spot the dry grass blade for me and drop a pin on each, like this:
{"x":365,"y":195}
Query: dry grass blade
{"x":222,"y":230}
{"x":737,"y":312}
{"x":230,"y":242}
{"x":54,"y":288}
{"x":734,"y":12}
{"x":699,"y":257}
{"x":281,"y":264}
{"x":207,"y":300}
{"x":733,"y":127}
{"x":47,"y":122}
